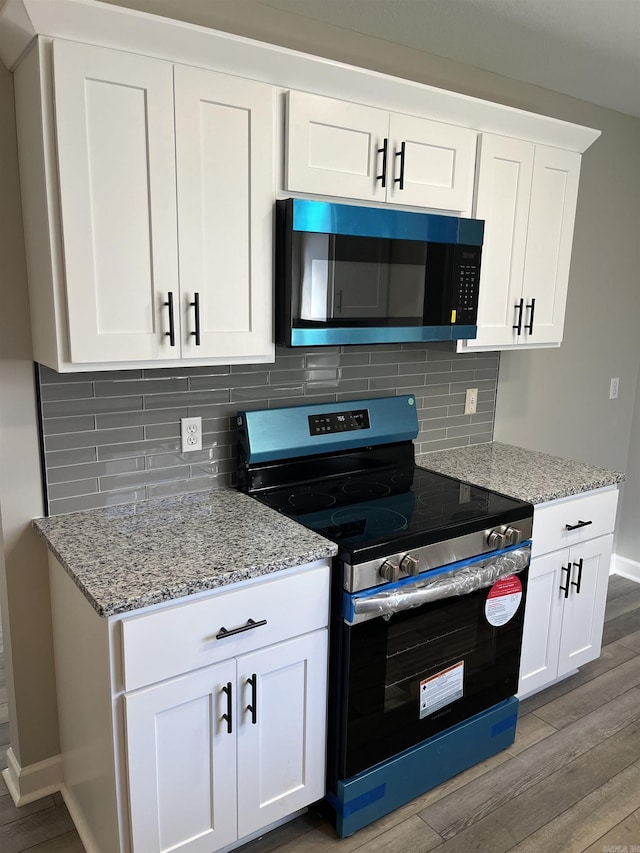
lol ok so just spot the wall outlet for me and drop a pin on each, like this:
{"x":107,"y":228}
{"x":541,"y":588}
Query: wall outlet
{"x":613,"y":388}
{"x":191,"y":433}
{"x":471,"y":402}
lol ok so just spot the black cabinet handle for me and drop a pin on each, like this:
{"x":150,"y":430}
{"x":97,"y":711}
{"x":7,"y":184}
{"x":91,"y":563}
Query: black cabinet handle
{"x":229,"y":715}
{"x":578,"y":525}
{"x":531,"y":307}
{"x":565,"y":589}
{"x":253,"y":707}
{"x":400,"y":154}
{"x":196,"y":306}
{"x":171,"y":334}
{"x":251,"y":623}
{"x":383,"y":175}
{"x":579,"y":581}
{"x":520,"y":308}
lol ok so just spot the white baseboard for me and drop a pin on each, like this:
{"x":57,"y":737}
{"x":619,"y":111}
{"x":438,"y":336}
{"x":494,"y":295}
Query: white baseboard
{"x":79,"y":821}
{"x":30,"y":783}
{"x":627,"y":568}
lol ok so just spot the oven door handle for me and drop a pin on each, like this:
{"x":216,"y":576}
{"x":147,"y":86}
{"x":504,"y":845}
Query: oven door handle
{"x":394,"y":598}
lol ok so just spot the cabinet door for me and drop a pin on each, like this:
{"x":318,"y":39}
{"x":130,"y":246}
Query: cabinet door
{"x":552,"y":212}
{"x":335,"y":148}
{"x":439,"y":162}
{"x":226,"y":186}
{"x":116,"y":161}
{"x":182,"y":763}
{"x":584,"y":609}
{"x":281,"y":756}
{"x":542,"y":622}
{"x":502,"y":200}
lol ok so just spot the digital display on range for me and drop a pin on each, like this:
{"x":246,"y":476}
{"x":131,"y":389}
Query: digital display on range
{"x":339,"y":422}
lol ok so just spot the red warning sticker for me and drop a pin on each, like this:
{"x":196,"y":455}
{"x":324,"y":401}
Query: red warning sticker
{"x":503,"y":600}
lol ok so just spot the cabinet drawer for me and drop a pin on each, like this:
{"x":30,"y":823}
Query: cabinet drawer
{"x":179,"y":639}
{"x":550,"y":520}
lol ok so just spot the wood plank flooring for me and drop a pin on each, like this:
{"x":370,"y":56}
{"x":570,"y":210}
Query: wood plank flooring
{"x":570,"y":782}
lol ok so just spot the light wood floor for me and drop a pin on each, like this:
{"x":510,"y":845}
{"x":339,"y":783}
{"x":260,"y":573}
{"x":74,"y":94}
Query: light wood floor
{"x":570,"y":782}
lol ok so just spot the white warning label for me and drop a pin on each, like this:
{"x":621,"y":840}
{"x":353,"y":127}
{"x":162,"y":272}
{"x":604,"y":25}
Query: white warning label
{"x":503,"y":600}
{"x":441,"y":689}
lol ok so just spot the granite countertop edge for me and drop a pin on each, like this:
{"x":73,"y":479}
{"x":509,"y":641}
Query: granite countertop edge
{"x":130,"y":556}
{"x":527,"y":475}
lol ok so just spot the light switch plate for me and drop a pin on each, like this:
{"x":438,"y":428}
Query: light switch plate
{"x":471,"y":401}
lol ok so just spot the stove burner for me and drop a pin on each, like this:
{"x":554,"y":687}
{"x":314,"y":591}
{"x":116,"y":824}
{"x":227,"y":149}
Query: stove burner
{"x":366,"y":490}
{"x":308,"y":501}
{"x":378,"y":518}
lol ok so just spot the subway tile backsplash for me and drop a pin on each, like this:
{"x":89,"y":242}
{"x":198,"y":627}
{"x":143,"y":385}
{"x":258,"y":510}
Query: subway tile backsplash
{"x":114,"y":437}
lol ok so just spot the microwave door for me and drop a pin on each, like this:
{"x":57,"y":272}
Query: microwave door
{"x":359,"y":279}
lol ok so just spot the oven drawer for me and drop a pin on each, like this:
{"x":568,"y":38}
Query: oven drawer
{"x":179,"y":639}
{"x":589,"y":515}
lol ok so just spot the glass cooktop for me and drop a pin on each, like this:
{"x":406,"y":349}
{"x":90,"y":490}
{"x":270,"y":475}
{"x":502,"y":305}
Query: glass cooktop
{"x":371,"y":515}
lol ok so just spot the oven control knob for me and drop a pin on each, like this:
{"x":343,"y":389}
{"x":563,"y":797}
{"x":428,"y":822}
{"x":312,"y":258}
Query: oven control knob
{"x":390,"y":571}
{"x":410,"y":565}
{"x":513,"y":536}
{"x":496,"y":540}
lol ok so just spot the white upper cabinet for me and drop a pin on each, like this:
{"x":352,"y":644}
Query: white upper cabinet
{"x":527,"y":196}
{"x":225,"y":174}
{"x":166,"y":182}
{"x":348,"y":150}
{"x":116,"y":168}
{"x":148,"y":181}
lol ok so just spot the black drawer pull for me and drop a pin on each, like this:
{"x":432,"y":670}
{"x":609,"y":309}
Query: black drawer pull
{"x":579,"y":581}
{"x":229,"y":715}
{"x":520,"y":307}
{"x":529,"y":326}
{"x":171,"y":334}
{"x":382,"y":177}
{"x":400,"y":154}
{"x":253,"y":707}
{"x":251,"y":623}
{"x":196,"y":306}
{"x":565,"y":589}
{"x":578,"y":525}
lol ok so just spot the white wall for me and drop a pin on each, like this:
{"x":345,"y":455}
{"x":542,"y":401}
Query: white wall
{"x":24,"y":585}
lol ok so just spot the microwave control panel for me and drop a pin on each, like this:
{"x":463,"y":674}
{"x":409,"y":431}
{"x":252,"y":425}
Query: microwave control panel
{"x":466,"y":282}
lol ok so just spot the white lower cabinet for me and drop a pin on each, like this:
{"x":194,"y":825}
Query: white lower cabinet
{"x":218,"y":754}
{"x":192,"y":725}
{"x":567,"y":589}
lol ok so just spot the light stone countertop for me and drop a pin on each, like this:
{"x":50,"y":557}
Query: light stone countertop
{"x":524,"y":474}
{"x":135,"y":555}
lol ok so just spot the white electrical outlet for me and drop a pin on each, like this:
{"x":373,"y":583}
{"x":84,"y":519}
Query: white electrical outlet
{"x":613,"y":388}
{"x":191,"y":432}
{"x":471,"y":401}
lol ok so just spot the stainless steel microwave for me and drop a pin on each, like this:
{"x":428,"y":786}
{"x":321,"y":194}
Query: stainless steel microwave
{"x":369,"y":275}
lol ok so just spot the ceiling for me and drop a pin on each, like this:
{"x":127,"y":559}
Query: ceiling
{"x":589,"y":49}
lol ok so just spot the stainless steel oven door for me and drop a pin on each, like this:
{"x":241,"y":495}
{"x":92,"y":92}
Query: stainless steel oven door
{"x":426,"y":657}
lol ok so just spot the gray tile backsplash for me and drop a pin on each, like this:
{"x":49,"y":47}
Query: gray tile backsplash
{"x":114,"y":437}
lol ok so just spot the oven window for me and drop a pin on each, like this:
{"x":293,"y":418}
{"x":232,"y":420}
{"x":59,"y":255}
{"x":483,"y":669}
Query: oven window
{"x":410,"y":643}
{"x":422,"y":671}
{"x":360,"y":279}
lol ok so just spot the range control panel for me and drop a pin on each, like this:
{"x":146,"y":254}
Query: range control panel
{"x":339,"y":422}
